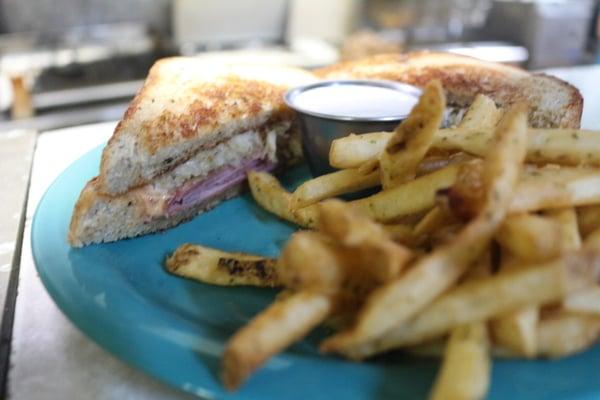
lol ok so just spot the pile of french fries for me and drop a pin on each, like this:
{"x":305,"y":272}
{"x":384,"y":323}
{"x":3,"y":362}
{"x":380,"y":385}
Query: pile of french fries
{"x":484,"y":241}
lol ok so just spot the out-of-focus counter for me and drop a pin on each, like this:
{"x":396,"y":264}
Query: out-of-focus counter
{"x":587,"y":80}
{"x":16,"y":152}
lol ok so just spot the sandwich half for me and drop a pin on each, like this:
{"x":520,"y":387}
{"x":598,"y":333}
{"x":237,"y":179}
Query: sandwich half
{"x":184,"y":144}
{"x":552,"y":102}
{"x":194,"y":130}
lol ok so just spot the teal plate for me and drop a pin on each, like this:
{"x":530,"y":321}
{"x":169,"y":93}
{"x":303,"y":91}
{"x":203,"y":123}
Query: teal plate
{"x":175,"y":329}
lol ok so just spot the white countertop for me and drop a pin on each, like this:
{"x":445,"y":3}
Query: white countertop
{"x":587,"y":80}
{"x":50,"y":358}
{"x":16,"y":153}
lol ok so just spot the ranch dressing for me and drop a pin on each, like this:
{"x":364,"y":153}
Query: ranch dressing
{"x":354,"y":100}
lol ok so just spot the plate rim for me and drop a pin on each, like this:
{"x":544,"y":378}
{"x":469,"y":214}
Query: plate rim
{"x":93,"y":335}
{"x":63,"y":305}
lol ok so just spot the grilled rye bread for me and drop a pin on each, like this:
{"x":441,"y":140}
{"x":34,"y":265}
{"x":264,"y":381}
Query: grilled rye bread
{"x":183,"y":146}
{"x":185,"y":106}
{"x":191,"y":121}
{"x":100,"y":218}
{"x":552,"y":102}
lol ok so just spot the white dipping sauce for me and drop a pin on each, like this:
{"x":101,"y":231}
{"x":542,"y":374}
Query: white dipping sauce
{"x":362,"y":101}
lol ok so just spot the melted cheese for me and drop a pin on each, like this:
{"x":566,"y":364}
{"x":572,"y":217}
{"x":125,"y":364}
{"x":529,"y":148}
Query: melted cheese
{"x":248,"y":145}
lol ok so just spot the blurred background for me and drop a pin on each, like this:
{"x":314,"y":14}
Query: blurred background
{"x":68,"y":62}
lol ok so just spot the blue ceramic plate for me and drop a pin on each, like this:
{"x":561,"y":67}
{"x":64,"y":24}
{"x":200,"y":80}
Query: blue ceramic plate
{"x":174,"y":329}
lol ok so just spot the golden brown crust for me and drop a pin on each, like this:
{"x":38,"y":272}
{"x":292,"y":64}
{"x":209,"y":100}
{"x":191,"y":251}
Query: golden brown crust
{"x":251,"y":99}
{"x":419,"y":67}
{"x":85,"y":201}
{"x":185,"y":106}
{"x":99,"y":218}
{"x":574,"y":108}
{"x":554,"y":103}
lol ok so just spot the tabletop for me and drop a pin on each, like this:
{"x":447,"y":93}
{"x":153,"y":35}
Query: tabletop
{"x":49,"y":357}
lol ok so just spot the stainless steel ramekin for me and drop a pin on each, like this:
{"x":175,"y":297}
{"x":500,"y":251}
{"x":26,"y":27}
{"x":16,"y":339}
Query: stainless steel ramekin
{"x":318,"y":130}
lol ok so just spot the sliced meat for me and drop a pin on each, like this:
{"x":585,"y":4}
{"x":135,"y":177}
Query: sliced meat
{"x":197,"y":191}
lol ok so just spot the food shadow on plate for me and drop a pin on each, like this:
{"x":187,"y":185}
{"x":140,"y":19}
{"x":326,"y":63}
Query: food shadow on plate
{"x":192,"y":309}
{"x":404,"y":376}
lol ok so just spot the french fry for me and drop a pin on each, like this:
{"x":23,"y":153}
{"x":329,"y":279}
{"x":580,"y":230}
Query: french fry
{"x":435,"y":349}
{"x":588,"y":219}
{"x":517,"y":330}
{"x":482,"y":268}
{"x":560,"y":146}
{"x":396,"y":302}
{"x":385,"y":206}
{"x":466,"y":197}
{"x":531,"y":237}
{"x":474,"y":140}
{"x":482,"y":114}
{"x":466,"y":365}
{"x":538,"y":189}
{"x":444,"y":235}
{"x":549,"y":188}
{"x":486,"y":298}
{"x":435,"y":219}
{"x":447,"y":193}
{"x":333,"y":184}
{"x":586,"y":301}
{"x":567,"y":220}
{"x":313,"y":261}
{"x":412,"y":138}
{"x":465,"y":370}
{"x":269,"y":194}
{"x":310,"y":262}
{"x":354,"y":150}
{"x":479,"y":120}
{"x":402,"y":233}
{"x":409,"y":198}
{"x":432,"y":349}
{"x":369,"y":166}
{"x":308,"y":216}
{"x":274,"y":329}
{"x":433,"y":163}
{"x":348,"y":226}
{"x":565,"y":333}
{"x":563,"y":146}
{"x":593,"y":240}
{"x":223,"y":268}
{"x":382,"y":257}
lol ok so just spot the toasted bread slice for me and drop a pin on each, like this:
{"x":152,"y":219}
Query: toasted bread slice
{"x":552,"y":102}
{"x":101,"y":218}
{"x":193,"y":187}
{"x":185,"y":106}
